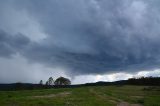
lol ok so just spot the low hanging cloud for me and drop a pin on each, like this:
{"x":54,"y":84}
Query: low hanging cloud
{"x":84,"y":37}
{"x":12,"y":44}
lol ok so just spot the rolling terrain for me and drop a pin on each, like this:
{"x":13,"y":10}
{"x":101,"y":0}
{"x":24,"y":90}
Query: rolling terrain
{"x":124,"y":95}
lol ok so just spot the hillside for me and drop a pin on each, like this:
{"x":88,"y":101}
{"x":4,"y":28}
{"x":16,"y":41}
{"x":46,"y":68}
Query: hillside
{"x":145,"y":81}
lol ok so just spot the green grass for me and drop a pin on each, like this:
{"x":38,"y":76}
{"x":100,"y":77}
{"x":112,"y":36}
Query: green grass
{"x":82,"y":96}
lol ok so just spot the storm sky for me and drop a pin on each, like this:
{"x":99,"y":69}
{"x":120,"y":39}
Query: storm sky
{"x":84,"y":40}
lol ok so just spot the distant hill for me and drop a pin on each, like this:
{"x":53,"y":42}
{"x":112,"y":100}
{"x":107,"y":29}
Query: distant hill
{"x":148,"y":81}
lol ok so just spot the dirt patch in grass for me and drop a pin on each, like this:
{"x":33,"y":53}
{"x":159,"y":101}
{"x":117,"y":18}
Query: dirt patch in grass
{"x":137,"y":96}
{"x":127,"y":104}
{"x":53,"y":95}
{"x":115,"y":100}
{"x":104,"y":96}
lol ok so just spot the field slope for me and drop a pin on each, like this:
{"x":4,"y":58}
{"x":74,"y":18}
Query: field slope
{"x":84,"y":96}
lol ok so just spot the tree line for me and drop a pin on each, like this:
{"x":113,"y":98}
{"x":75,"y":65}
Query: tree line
{"x":155,"y":81}
{"x":58,"y":81}
{"x":50,"y":83}
{"x":62,"y":82}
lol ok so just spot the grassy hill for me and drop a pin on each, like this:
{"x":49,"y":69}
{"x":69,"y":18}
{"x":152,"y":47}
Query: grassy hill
{"x":84,"y":96}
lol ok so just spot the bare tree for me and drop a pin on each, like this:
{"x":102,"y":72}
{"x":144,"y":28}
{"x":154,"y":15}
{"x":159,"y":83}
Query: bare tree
{"x":50,"y":81}
{"x":47,"y":83}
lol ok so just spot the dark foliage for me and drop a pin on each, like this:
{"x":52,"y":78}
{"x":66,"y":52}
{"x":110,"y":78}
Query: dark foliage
{"x":62,"y":81}
{"x":155,"y":81}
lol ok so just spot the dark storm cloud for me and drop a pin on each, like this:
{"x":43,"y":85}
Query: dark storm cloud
{"x":11,"y":44}
{"x":93,"y":36}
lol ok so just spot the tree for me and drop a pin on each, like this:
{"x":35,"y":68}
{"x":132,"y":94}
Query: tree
{"x":47,"y":83}
{"x":41,"y":82}
{"x":50,"y":81}
{"x":62,"y":81}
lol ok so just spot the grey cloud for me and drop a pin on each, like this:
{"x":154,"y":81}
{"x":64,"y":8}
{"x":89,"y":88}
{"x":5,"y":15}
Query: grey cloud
{"x":94,"y":36}
{"x":11,"y":44}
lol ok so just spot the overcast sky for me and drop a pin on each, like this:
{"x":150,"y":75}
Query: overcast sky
{"x":84,"y":40}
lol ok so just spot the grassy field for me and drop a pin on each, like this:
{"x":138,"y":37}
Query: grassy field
{"x":84,"y":96}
